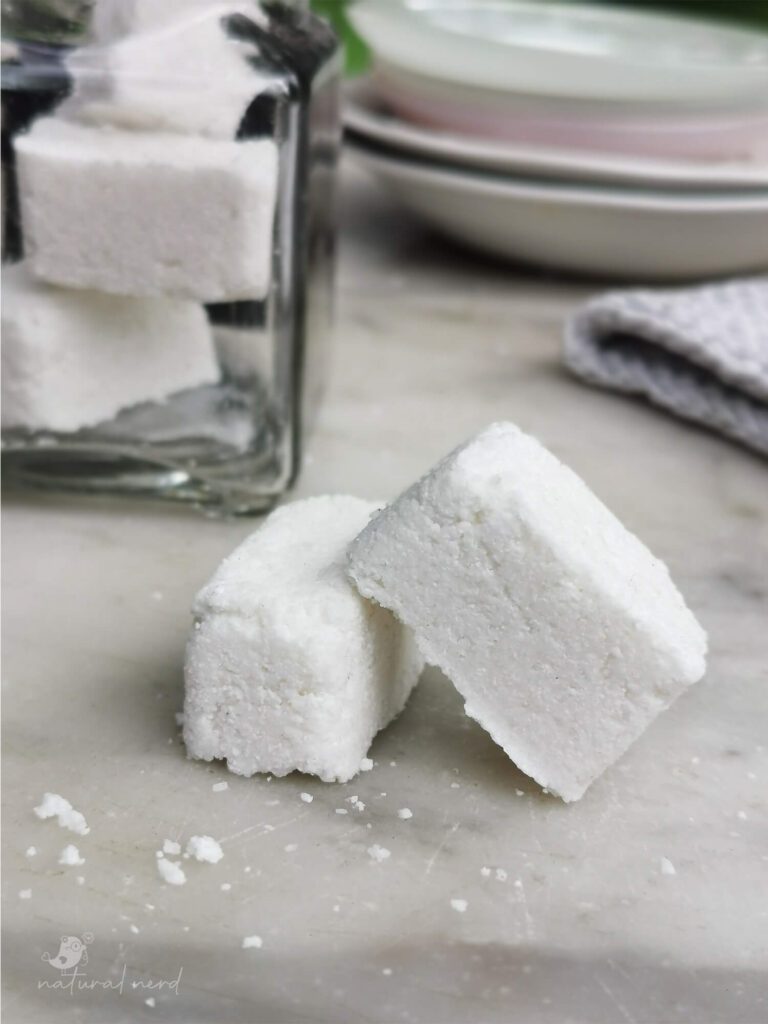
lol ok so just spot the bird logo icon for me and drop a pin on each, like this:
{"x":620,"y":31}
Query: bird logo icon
{"x":72,"y":952}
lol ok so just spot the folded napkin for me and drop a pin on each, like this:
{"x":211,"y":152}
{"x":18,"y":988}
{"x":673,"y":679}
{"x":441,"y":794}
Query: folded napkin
{"x":699,"y":352}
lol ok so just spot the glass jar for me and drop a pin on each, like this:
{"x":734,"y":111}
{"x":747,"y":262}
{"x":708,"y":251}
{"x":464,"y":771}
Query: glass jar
{"x":168,"y":236}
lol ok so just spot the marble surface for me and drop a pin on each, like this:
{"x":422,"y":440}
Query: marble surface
{"x":576,"y":919}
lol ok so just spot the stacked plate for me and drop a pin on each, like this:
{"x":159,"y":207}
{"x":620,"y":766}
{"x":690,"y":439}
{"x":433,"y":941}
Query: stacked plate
{"x":591,"y":139}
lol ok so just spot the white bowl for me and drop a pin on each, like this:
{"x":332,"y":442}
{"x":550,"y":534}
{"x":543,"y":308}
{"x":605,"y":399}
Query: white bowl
{"x":368,"y":117}
{"x":572,"y":51}
{"x":611,"y":232}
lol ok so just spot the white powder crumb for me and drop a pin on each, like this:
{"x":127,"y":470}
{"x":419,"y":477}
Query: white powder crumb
{"x":70,"y":856}
{"x":695,"y":760}
{"x":518,"y":883}
{"x":455,"y":785}
{"x":386,"y":971}
{"x":501,"y":875}
{"x":459,"y":906}
{"x":252,"y":942}
{"x":204,"y":848}
{"x":25,"y":894}
{"x":134,"y":929}
{"x":405,"y":813}
{"x":291,"y":847}
{"x":341,"y":810}
{"x":150,"y":1001}
{"x":171,"y":871}
{"x":356,"y":802}
{"x":169,"y":846}
{"x":80,"y":879}
{"x":366,"y":764}
{"x":741,"y":815}
{"x":31,"y":851}
{"x":306,"y":797}
{"x":378,"y":853}
{"x":55,"y":806}
{"x":219,"y":787}
{"x":247,"y":869}
{"x":225,"y":886}
{"x":393,"y":764}
{"x":336,"y":908}
{"x":485,"y":872}
{"x":150,"y":906}
{"x":179,"y":716}
{"x":667,"y":867}
{"x":158,"y":854}
{"x":519,"y":792}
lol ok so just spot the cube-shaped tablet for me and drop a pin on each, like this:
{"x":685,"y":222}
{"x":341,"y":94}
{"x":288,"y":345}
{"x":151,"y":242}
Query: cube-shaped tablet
{"x":562,"y":632}
{"x":144,"y":213}
{"x":182,"y":72}
{"x":287,"y":667}
{"x":75,"y":358}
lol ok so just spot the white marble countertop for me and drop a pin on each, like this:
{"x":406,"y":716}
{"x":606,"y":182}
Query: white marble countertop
{"x":576,"y":921}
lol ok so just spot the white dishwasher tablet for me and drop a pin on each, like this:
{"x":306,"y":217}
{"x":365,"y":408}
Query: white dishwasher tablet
{"x":73,"y":358}
{"x":287,"y":666}
{"x":562,"y":632}
{"x":147,"y":213}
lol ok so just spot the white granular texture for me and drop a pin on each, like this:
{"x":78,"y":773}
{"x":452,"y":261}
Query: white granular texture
{"x":562,"y":632}
{"x":378,"y":853}
{"x":171,"y":871}
{"x":219,"y":787}
{"x":172,"y":847}
{"x":70,"y":856}
{"x":667,"y":867}
{"x":73,"y":358}
{"x":147,"y":213}
{"x":55,"y":806}
{"x":306,"y":797}
{"x":31,"y":851}
{"x":485,"y":872}
{"x":366,"y":764}
{"x":405,"y":813}
{"x":252,"y":942}
{"x":459,"y":906}
{"x":204,"y":848}
{"x":288,"y":668}
{"x":150,"y":1001}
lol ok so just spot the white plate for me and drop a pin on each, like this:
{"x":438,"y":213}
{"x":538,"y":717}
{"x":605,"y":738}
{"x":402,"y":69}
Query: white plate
{"x":568,"y":50}
{"x":603,"y":231}
{"x":366,"y":115}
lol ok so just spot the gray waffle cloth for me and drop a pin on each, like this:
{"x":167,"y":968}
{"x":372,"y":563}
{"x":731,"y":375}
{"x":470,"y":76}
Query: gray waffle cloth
{"x":701,"y":352}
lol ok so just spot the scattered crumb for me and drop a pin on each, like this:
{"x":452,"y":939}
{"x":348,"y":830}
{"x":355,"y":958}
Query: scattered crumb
{"x":134,"y":929}
{"x":386,"y":970}
{"x":204,"y":848}
{"x":225,"y":886}
{"x":306,"y":797}
{"x":150,"y":1001}
{"x":393,"y":764}
{"x":459,"y":906}
{"x":501,"y":875}
{"x":80,"y":879}
{"x":336,"y":908}
{"x":252,"y":942}
{"x":169,"y":846}
{"x":405,"y":813}
{"x":342,"y":810}
{"x":25,"y":894}
{"x":455,"y":785}
{"x":70,"y":856}
{"x":356,"y":802}
{"x":247,"y":869}
{"x":219,"y":787}
{"x":150,"y":906}
{"x":171,"y":871}
{"x":55,"y":806}
{"x":518,"y":883}
{"x":31,"y":851}
{"x":291,"y":847}
{"x":741,"y":815}
{"x":695,"y":760}
{"x":378,"y":853}
{"x":667,"y":867}
{"x":485,"y":872}
{"x":366,"y":764}
{"x":519,"y":792}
